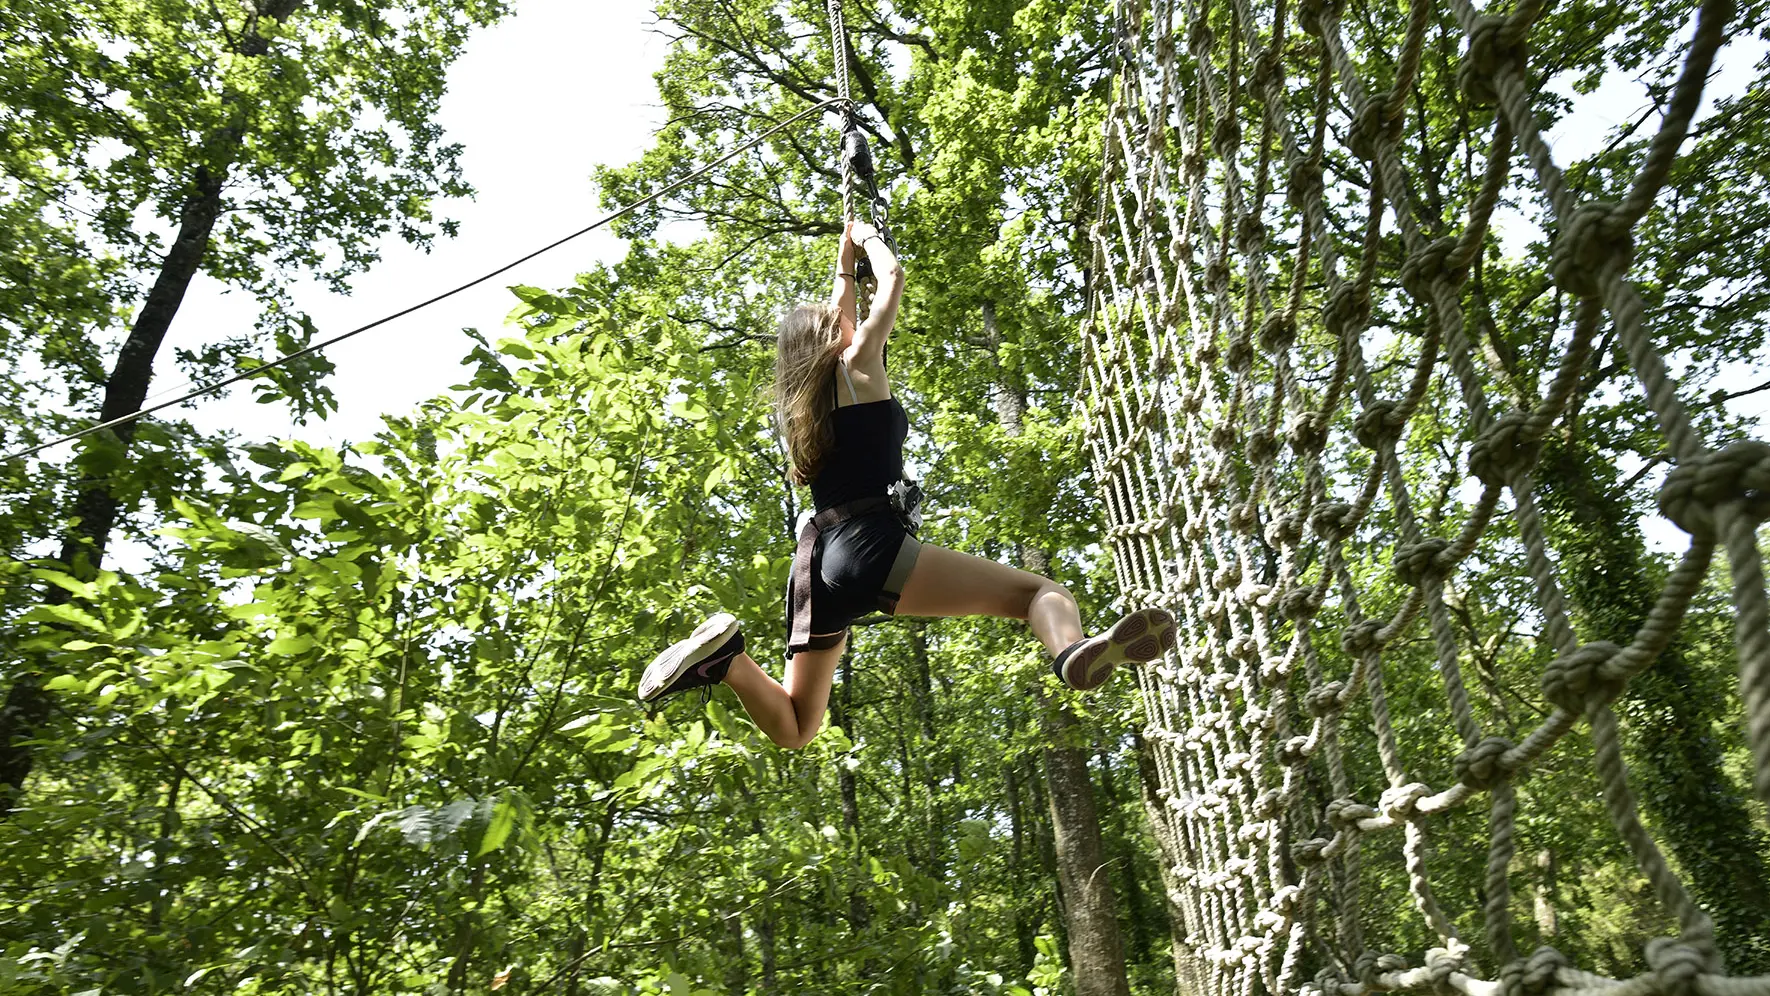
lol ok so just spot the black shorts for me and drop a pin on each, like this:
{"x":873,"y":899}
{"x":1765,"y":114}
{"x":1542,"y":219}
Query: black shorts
{"x":849,"y":568}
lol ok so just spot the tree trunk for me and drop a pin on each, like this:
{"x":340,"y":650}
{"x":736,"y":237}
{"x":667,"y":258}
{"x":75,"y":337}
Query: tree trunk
{"x":765,"y":935}
{"x":95,"y":508}
{"x":859,"y":916}
{"x":1025,"y":920}
{"x":765,"y":924}
{"x":1548,"y":924}
{"x":737,"y":973}
{"x":1096,"y":952}
{"x":467,"y":933}
{"x":1136,"y":916}
{"x":1047,"y":844}
{"x":935,"y":834}
{"x":1168,"y":857}
{"x":169,"y":823}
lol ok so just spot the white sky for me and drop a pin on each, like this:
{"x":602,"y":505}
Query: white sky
{"x":537,"y":101}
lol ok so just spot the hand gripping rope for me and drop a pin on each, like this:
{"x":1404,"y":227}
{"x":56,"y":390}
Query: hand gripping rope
{"x":856,"y":155}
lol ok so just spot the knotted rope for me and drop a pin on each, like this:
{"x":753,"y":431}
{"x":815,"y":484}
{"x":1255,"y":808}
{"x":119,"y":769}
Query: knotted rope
{"x":1256,"y":465}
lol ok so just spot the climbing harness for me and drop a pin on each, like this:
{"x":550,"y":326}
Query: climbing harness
{"x":906,"y":501}
{"x":799,"y":582}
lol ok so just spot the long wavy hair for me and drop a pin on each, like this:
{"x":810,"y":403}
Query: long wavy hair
{"x":805,"y":355}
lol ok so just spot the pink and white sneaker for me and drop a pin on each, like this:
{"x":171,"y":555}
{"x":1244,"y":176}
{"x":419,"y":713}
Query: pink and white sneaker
{"x":699,"y":661}
{"x":1141,"y":636}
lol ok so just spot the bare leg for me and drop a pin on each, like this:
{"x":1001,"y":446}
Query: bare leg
{"x":947,"y":583}
{"x":791,"y":714}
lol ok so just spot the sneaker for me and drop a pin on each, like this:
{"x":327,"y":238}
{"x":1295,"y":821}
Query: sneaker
{"x":698,"y":661}
{"x":1141,"y":636}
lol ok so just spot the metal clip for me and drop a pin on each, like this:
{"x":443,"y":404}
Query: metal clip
{"x":906,"y":501}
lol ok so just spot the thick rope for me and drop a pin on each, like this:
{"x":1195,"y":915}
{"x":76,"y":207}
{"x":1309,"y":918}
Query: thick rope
{"x":855,"y":156}
{"x":839,"y":60}
{"x":1255,"y":460}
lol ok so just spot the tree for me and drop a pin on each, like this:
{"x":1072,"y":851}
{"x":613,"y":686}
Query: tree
{"x":372,"y":728}
{"x":274,"y":138}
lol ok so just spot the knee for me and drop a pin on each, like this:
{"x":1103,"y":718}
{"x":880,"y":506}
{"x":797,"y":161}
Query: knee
{"x":1047,"y":590}
{"x":794,"y":741}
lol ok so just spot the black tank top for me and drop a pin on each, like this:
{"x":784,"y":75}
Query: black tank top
{"x":867,"y":455}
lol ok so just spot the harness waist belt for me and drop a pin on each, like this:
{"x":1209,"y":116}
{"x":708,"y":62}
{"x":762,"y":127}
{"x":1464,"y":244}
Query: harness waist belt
{"x":799,"y":584}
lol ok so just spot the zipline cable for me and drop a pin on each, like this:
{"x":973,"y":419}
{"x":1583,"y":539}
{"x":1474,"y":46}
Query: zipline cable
{"x":316,"y":347}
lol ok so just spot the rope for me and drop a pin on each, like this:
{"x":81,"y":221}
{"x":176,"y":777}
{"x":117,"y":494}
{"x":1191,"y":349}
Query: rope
{"x":316,"y":347}
{"x":1253,"y":465}
{"x":839,"y":59}
{"x":855,"y":157}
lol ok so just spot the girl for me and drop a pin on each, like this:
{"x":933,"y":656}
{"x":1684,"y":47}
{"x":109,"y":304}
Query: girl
{"x":844,"y":436}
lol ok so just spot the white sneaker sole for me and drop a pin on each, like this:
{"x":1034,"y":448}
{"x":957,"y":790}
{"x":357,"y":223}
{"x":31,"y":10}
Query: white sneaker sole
{"x":684,"y":654}
{"x":1139,"y":637}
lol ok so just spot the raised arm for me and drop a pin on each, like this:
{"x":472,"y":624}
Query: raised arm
{"x":842,"y":289}
{"x":869,"y":338}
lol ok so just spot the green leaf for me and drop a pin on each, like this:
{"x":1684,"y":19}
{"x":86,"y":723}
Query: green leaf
{"x":582,"y":721}
{"x":85,"y":590}
{"x":359,"y":793}
{"x":368,"y":827}
{"x":720,"y":473}
{"x":289,"y":646}
{"x":498,"y":830}
{"x":611,"y":746}
{"x":688,"y":411}
{"x":67,"y":615}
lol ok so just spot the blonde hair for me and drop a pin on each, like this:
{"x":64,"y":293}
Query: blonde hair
{"x":805,"y":355}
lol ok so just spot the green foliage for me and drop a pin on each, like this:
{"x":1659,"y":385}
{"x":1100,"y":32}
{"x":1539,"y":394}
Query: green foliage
{"x":312,"y":124}
{"x":366,"y":725}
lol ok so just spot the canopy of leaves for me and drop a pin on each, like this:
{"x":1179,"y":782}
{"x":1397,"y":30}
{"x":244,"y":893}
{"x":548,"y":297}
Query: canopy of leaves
{"x":368,"y":727}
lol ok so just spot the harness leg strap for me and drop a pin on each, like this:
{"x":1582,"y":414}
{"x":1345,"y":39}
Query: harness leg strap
{"x":799,"y":580}
{"x":799,"y":588}
{"x":907,"y":552}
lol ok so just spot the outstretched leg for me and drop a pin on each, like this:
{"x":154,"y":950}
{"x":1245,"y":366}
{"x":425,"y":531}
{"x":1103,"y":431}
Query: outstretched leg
{"x":790,"y":712}
{"x":948,"y":583}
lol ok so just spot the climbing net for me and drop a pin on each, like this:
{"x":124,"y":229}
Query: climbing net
{"x":1258,"y":244}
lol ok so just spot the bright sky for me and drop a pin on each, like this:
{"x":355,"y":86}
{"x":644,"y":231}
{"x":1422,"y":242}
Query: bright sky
{"x":537,"y":101}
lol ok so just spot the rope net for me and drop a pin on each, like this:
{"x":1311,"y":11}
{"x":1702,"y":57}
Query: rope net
{"x":1282,"y":353}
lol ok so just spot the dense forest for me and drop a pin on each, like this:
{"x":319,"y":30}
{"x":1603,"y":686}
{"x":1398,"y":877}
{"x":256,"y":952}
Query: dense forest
{"x":365,"y":721}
